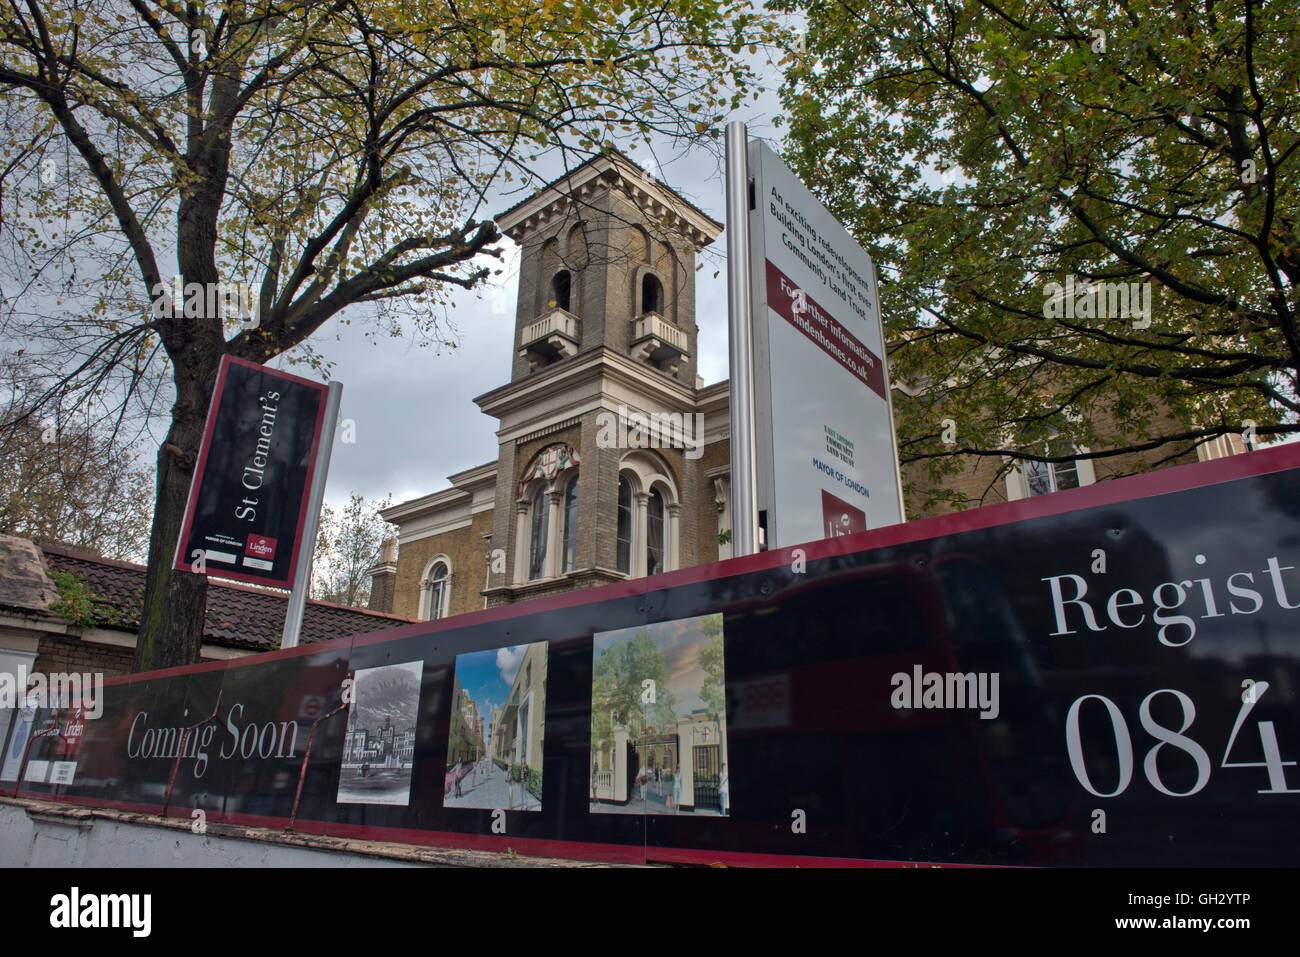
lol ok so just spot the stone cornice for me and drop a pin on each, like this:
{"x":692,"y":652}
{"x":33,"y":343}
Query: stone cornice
{"x":405,"y":511}
{"x":615,"y":171}
{"x":584,"y":369}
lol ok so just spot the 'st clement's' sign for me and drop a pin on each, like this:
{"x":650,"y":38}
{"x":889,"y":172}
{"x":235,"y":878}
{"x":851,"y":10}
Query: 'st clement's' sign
{"x":248,"y":501}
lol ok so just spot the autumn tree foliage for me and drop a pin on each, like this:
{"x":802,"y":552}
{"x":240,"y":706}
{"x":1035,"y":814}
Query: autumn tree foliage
{"x":1013,"y":167}
{"x":327,"y":159}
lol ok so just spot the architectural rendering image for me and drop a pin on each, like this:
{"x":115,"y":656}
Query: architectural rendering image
{"x":658,"y":719}
{"x":498,"y":729}
{"x":380,"y":745}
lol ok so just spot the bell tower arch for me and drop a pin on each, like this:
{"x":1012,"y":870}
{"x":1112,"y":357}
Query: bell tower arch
{"x":607,"y":261}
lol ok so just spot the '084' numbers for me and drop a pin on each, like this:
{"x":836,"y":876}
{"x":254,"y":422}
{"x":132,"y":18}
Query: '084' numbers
{"x":1254,"y":690}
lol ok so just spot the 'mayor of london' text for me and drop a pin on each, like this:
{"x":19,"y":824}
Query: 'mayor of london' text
{"x":1124,"y":608}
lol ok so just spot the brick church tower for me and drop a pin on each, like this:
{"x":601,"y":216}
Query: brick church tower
{"x":582,"y":493}
{"x":605,"y":339}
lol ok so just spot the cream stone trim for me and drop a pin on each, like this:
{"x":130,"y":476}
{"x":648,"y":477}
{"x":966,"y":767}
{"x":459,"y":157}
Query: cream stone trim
{"x":647,"y":471}
{"x":599,"y":175}
{"x":548,"y":430}
{"x":426,"y":588}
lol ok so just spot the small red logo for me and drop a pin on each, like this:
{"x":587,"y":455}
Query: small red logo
{"x":841,"y":518}
{"x":261,"y":547}
{"x":74,"y":729}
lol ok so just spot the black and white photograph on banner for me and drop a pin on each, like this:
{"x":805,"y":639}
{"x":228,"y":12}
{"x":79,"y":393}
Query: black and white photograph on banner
{"x":380,"y":745}
{"x":658,"y":720}
{"x":498,"y":728}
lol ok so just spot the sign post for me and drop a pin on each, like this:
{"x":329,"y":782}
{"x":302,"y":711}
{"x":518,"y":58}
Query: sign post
{"x":302,"y":576}
{"x":744,"y":507}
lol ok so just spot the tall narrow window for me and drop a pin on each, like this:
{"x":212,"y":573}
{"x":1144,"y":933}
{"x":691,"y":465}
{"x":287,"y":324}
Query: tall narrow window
{"x":624,"y":526}
{"x":571,"y":525}
{"x":652,"y":294}
{"x":560,"y":288}
{"x":537,"y":551}
{"x":654,"y":554}
{"x":438,"y":590}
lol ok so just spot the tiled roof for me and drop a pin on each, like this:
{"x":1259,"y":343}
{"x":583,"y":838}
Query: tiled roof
{"x":238,"y":616}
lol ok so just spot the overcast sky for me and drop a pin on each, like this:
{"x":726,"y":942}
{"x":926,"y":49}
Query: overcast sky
{"x":415,"y":419}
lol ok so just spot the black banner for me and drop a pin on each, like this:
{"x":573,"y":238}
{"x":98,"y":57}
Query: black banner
{"x":1107,"y":676}
{"x":248,"y":501}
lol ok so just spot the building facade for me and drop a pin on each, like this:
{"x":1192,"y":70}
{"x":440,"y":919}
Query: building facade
{"x":614,"y":457}
{"x":518,"y":728}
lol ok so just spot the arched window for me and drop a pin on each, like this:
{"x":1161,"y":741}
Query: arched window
{"x":649,"y":516}
{"x":561,"y":285}
{"x":437,"y":582}
{"x":654,"y":545}
{"x":537,"y":549}
{"x":624,"y":525}
{"x":652,"y":294}
{"x":570,"y":559}
{"x":549,"y":482}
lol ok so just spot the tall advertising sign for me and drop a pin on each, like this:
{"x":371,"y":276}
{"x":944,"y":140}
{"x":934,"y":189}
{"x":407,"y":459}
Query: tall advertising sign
{"x":248,"y":501}
{"x":826,"y":460}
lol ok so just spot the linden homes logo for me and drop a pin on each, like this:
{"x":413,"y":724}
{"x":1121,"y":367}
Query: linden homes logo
{"x":261,"y":547}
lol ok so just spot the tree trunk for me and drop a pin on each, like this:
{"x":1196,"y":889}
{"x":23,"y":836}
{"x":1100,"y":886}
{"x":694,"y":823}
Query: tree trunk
{"x":175,"y":603}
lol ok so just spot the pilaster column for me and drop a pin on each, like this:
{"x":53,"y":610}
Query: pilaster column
{"x":640,"y":535}
{"x":620,"y":765}
{"x":554,"y":537}
{"x":521,"y":542}
{"x":672,"y":537}
{"x":722,"y":499}
{"x":686,"y":761}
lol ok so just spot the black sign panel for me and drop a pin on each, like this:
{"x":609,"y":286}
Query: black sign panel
{"x":1104,"y":676}
{"x":248,"y":501}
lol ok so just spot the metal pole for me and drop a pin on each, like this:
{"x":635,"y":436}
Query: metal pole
{"x":315,"y":498}
{"x":744,"y":482}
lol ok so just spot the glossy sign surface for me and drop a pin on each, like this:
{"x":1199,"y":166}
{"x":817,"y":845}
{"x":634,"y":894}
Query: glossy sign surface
{"x":1106,"y":676}
{"x":248,"y":499}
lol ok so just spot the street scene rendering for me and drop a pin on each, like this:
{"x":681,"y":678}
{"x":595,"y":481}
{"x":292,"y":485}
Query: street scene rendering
{"x":498,"y":727}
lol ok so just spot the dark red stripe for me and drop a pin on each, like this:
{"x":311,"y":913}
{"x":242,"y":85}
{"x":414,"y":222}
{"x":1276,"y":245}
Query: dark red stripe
{"x":824,"y":331}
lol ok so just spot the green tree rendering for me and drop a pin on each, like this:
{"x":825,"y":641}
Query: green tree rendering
{"x":617,"y":689}
{"x":983,"y":152}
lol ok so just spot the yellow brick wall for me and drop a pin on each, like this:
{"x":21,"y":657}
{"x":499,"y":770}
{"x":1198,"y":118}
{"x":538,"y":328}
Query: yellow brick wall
{"x":466,"y":550}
